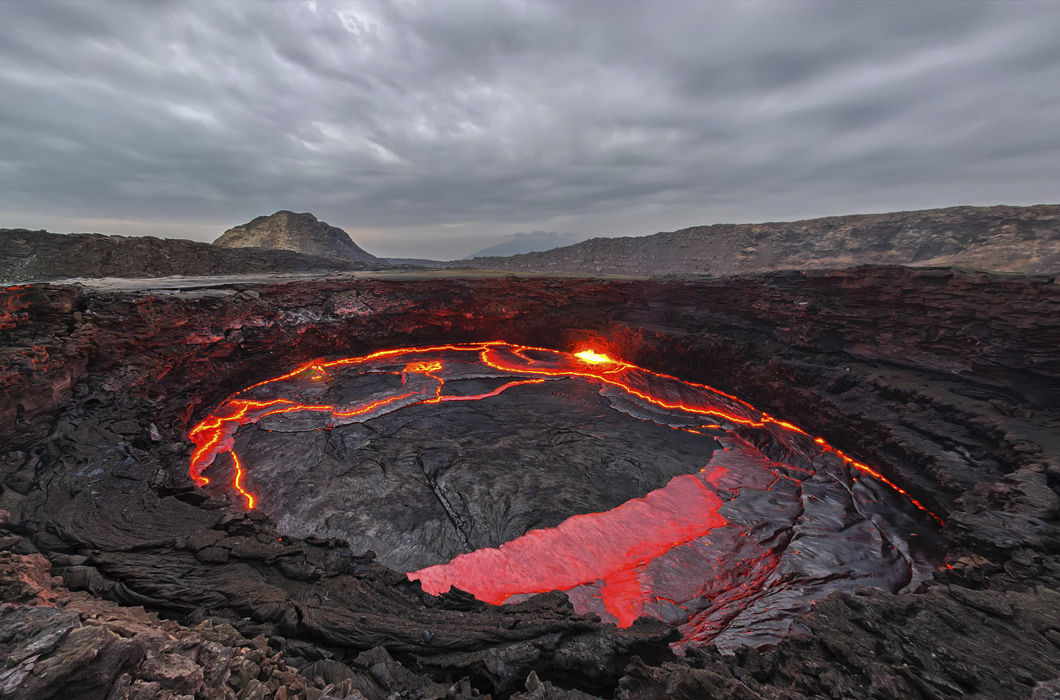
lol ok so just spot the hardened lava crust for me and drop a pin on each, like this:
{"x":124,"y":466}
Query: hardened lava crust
{"x":841,"y":410}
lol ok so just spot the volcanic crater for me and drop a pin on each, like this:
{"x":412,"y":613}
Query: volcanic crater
{"x":506,"y":470}
{"x":750,"y":478}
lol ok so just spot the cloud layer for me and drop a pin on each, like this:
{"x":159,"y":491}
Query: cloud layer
{"x":436,"y":128}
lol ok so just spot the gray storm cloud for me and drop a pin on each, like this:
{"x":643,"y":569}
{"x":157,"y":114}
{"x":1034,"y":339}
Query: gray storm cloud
{"x":438,"y":128}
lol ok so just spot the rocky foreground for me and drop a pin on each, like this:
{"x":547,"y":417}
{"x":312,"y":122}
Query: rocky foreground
{"x":947,"y":381}
{"x":1004,"y":238}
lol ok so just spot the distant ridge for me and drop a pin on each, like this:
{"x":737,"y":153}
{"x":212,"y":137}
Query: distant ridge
{"x":1000,"y":238}
{"x":424,"y":262}
{"x":39,"y":255}
{"x":534,"y":241}
{"x":302,"y":233}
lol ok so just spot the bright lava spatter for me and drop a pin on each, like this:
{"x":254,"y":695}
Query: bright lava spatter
{"x":636,"y":532}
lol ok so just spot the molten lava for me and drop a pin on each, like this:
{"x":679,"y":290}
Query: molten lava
{"x":593,"y":357}
{"x":620,"y":562}
{"x":606,"y":547}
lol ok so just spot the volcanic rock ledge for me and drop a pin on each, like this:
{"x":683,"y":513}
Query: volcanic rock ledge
{"x":947,"y":381}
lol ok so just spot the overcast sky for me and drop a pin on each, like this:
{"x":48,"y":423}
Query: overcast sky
{"x":435,"y":128}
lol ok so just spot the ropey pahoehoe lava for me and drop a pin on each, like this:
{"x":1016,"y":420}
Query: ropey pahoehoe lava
{"x":506,"y":470}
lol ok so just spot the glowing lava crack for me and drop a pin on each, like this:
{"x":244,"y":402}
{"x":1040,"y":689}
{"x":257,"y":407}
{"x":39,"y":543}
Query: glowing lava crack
{"x":702,"y":511}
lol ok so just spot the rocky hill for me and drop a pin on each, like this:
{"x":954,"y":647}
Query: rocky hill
{"x":302,"y":233}
{"x":1000,"y":238}
{"x":40,"y":255}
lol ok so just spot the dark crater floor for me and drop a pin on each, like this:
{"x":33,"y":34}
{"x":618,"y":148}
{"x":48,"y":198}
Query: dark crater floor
{"x":794,"y":572}
{"x":421,"y":485}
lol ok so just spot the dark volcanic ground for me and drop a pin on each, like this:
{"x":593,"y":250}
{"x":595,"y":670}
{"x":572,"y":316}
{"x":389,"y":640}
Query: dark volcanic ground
{"x":946,"y":381}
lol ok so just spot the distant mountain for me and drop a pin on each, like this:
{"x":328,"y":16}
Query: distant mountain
{"x":302,"y":233}
{"x":529,"y":242}
{"x":423,"y":262}
{"x":1001,"y":238}
{"x":38,"y":255}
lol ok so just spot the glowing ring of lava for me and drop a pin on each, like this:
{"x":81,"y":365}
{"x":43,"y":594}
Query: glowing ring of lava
{"x":682,"y":511}
{"x":213,"y":435}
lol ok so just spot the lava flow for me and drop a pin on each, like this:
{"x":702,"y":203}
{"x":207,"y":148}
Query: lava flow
{"x":714,"y":550}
